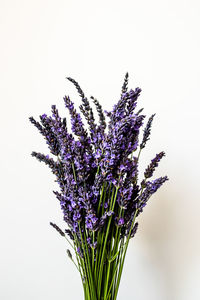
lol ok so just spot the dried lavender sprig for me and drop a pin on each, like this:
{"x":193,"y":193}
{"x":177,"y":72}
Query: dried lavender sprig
{"x":100,"y":112}
{"x":69,"y":253}
{"x":89,"y":116}
{"x":57,"y":229}
{"x":147,"y":132}
{"x":154,"y":163}
{"x":69,"y":233}
{"x":56,"y":168}
{"x":85,"y":107}
{"x":49,"y":134}
{"x":86,"y":110}
{"x":77,"y":124}
{"x":37,"y":125}
{"x":125,"y":84}
{"x":134,"y":230}
{"x":151,"y":188}
{"x":71,"y":257}
{"x":46,"y":131}
{"x":46,"y":159}
{"x":139,"y":111}
{"x":80,"y":91}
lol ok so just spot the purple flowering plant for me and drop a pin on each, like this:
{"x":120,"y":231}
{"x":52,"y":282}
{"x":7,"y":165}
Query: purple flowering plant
{"x":96,"y":168}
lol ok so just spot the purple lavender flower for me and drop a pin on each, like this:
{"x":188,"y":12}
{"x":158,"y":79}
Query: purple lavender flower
{"x":125,"y":84}
{"x":57,"y":228}
{"x":154,"y":163}
{"x":100,"y":112}
{"x":120,"y":222}
{"x":134,"y":230}
{"x":69,"y":233}
{"x":147,"y":132}
{"x":91,"y":221}
{"x":151,"y":188}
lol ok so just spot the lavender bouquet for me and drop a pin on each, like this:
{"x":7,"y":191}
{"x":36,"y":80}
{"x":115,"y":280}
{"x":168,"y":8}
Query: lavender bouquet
{"x":96,"y":169}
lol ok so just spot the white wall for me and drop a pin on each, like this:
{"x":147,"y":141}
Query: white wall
{"x":96,"y":42}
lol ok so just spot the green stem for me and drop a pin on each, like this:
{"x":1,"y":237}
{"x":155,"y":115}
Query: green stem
{"x":74,"y":172}
{"x":87,"y":263}
{"x":102,"y":192}
{"x":139,"y":154}
{"x":124,"y":254}
{"x":113,"y":276}
{"x":93,"y":239}
{"x":69,"y":243}
{"x":81,"y":267}
{"x":107,"y":280}
{"x":84,"y":264}
{"x":112,"y":205}
{"x":74,"y":263}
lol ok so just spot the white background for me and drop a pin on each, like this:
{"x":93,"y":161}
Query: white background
{"x":96,"y":42}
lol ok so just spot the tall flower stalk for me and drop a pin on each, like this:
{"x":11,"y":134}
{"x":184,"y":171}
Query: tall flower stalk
{"x":96,"y":169}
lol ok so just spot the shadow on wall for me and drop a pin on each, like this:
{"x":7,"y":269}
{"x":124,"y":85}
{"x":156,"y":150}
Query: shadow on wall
{"x":160,"y":237}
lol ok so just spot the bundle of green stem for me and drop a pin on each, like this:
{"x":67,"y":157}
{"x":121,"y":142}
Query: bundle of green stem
{"x":101,"y":265}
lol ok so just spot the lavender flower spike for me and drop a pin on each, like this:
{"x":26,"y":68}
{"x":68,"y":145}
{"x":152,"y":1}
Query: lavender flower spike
{"x":125,"y":84}
{"x":57,"y":229}
{"x":154,"y":163}
{"x":147,"y":132}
